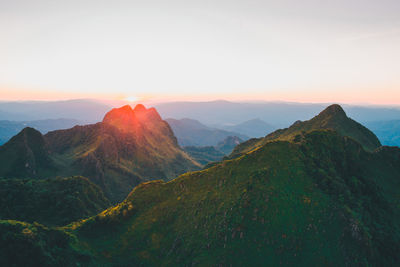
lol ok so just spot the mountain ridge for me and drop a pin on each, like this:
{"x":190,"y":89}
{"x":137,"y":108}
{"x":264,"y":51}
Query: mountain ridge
{"x":333,"y":117}
{"x":128,"y":147}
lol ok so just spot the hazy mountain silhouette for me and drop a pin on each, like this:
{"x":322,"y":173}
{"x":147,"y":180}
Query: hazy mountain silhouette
{"x":388,"y":132}
{"x":193,"y":133}
{"x":252,"y":128}
{"x":278,"y":114}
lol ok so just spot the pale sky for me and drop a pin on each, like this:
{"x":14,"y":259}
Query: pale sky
{"x":344,"y":51}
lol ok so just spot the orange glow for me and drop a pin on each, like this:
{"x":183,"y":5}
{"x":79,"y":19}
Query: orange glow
{"x":348,"y":95}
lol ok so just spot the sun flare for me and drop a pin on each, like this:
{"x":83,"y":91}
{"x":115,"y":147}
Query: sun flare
{"x":131,"y":98}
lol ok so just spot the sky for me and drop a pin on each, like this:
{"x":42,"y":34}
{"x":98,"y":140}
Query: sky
{"x":345,"y":51}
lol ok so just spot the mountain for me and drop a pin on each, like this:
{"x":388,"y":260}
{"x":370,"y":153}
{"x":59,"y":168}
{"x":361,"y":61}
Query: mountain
{"x":318,"y":198}
{"x":193,"y":133}
{"x":10,"y":128}
{"x":128,"y":147}
{"x":25,"y":155}
{"x":252,"y":128}
{"x":333,"y":117}
{"x":56,"y":201}
{"x":228,"y":144}
{"x":388,"y":132}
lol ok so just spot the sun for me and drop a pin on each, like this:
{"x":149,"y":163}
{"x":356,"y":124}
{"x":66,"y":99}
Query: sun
{"x":131,"y":98}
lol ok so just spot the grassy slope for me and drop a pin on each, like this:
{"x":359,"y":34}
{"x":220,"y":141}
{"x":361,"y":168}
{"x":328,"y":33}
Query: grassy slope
{"x":24,"y":244}
{"x":319,"y":200}
{"x":56,"y":201}
{"x":333,"y":118}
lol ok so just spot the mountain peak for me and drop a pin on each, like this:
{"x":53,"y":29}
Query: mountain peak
{"x":127,"y":119}
{"x":125,"y":108}
{"x":333,"y":110}
{"x":24,"y":155}
{"x":28,"y":134}
{"x":139,"y":108}
{"x":332,"y":118}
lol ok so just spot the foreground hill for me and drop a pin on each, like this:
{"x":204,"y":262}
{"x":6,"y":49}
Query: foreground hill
{"x":25,"y":244}
{"x":128,"y":147}
{"x":321,"y":200}
{"x":333,"y":118}
{"x":51,"y":201}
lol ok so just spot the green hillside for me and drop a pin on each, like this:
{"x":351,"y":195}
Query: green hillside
{"x":333,"y":118}
{"x":321,"y":200}
{"x":24,"y":244}
{"x":51,"y":201}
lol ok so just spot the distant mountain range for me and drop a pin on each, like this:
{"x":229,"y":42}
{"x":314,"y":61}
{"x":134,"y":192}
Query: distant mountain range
{"x":322,"y":192}
{"x":128,"y":147}
{"x":193,"y":133}
{"x":387,"y":131}
{"x":251,"y":128}
{"x":85,"y":110}
{"x":220,"y":114}
{"x":278,"y":114}
{"x":10,"y":128}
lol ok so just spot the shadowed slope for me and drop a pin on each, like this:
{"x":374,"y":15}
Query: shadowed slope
{"x":25,"y":155}
{"x":50,"y":201}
